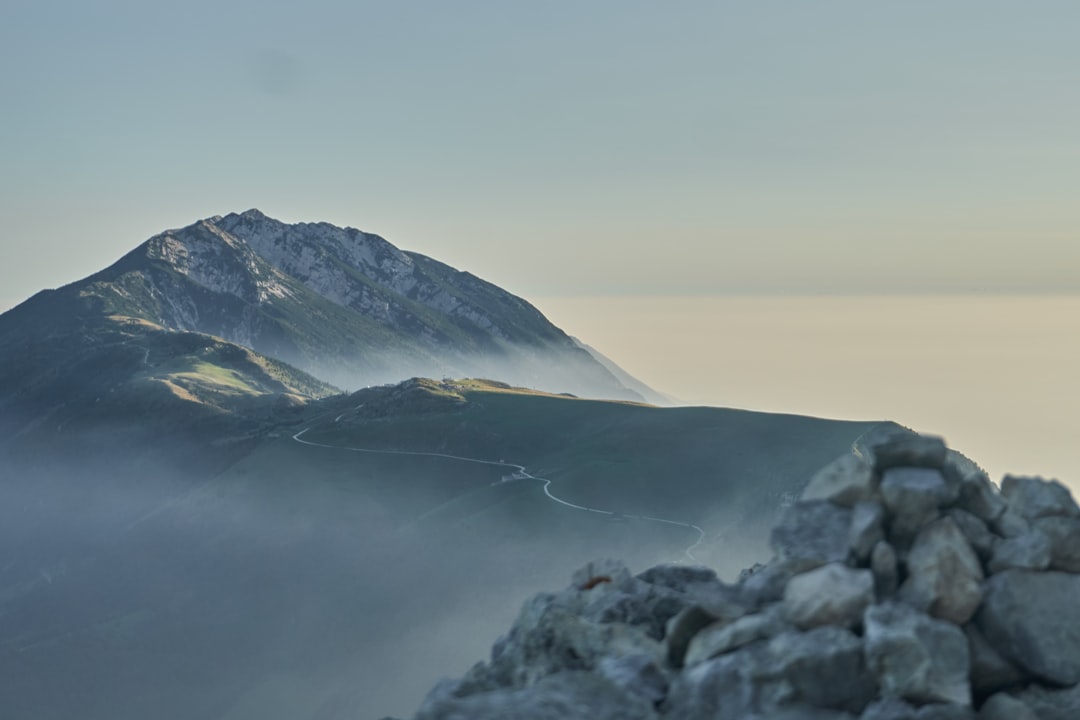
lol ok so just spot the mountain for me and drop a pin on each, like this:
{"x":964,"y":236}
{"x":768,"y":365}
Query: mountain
{"x":351,"y":549}
{"x":344,"y":305}
{"x":196,"y":522}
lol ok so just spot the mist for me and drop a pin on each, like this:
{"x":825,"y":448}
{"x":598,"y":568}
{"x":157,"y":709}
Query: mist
{"x":302,"y":593}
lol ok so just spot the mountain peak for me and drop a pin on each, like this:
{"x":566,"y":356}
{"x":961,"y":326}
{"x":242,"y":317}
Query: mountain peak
{"x":342,"y":304}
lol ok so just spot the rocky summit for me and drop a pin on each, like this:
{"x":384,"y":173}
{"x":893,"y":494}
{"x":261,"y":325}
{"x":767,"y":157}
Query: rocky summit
{"x":905,"y":585}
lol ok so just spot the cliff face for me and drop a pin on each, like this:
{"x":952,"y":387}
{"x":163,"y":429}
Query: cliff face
{"x":905,"y":585}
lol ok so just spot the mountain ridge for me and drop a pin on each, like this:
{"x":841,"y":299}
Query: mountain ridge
{"x":344,"y":305}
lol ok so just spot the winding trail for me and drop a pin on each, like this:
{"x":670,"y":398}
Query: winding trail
{"x":520,"y":474}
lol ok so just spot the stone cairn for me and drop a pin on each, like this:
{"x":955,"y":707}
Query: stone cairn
{"x":904,"y":586}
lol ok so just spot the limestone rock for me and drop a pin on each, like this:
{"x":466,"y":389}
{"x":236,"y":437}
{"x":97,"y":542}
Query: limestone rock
{"x":681,"y":630}
{"x":912,"y":496}
{"x":833,"y":594}
{"x":720,"y":637}
{"x":883,"y":565}
{"x":1051,"y":704}
{"x":990,"y":671}
{"x":823,"y":668}
{"x":845,"y":481}
{"x":944,"y":575}
{"x":916,"y":657}
{"x":917,"y":451}
{"x":1005,"y":707}
{"x":1033,"y":498}
{"x":1030,"y":551}
{"x":638,"y":675}
{"x":979,"y":497}
{"x":1033,"y":619}
{"x":889,"y":709}
{"x":867,"y":529}
{"x":978,"y":535}
{"x":816,"y":532}
{"x":1063,"y":534}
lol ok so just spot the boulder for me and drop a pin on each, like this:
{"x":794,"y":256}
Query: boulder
{"x":944,"y":575}
{"x":889,"y":709}
{"x":833,"y":594}
{"x":823,"y":668}
{"x":678,"y":577}
{"x":916,"y":657}
{"x":978,"y":535}
{"x":815,"y":532}
{"x":883,"y":565}
{"x":1030,"y":551}
{"x":1063,"y":534}
{"x":720,"y":638}
{"x":638,"y":675}
{"x":1033,"y":498}
{"x":979,"y":497}
{"x":912,"y":497}
{"x":1052,"y":704}
{"x":1033,"y":619}
{"x":990,"y":671}
{"x":916,"y":451}
{"x":845,"y":481}
{"x":1005,"y":707}
{"x":867,"y":529}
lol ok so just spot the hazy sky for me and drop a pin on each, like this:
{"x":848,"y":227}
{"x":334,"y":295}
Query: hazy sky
{"x":558,"y":148}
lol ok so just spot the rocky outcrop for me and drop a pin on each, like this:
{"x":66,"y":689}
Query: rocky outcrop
{"x":904,"y":585}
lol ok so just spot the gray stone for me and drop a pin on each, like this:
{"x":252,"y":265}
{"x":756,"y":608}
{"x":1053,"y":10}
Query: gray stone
{"x":565,"y":696}
{"x":883,"y":565}
{"x":1033,"y":498}
{"x":867,"y":529}
{"x":678,"y":577}
{"x":944,"y":575}
{"x":833,"y":594}
{"x":979,"y":497}
{"x":944,"y":711}
{"x":978,"y":535}
{"x":845,"y":481}
{"x":990,"y":671}
{"x":916,"y":657}
{"x":718,"y":688}
{"x":767,"y":584}
{"x":1063,"y":534}
{"x":803,"y":712}
{"x":1030,"y":551}
{"x":912,"y":497}
{"x":1005,"y":707}
{"x":918,"y":451}
{"x":816,"y":532}
{"x":888,"y":709}
{"x":719,"y":638}
{"x":1050,"y":704}
{"x":681,"y":630}
{"x":636,"y":675}
{"x":1033,"y":619}
{"x":823,"y":668}
{"x":1010,"y":524}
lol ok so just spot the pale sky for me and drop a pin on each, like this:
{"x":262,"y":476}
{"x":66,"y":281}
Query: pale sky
{"x":607,"y":147}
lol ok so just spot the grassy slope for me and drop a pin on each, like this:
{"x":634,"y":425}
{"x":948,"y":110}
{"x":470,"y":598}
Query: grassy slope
{"x":694,"y":463}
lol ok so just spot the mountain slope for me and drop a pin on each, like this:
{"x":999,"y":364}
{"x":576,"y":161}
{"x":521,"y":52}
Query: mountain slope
{"x":314,"y":579}
{"x":344,"y":305}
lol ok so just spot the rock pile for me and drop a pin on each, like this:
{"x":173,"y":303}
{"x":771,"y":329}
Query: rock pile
{"x":904,"y":586}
